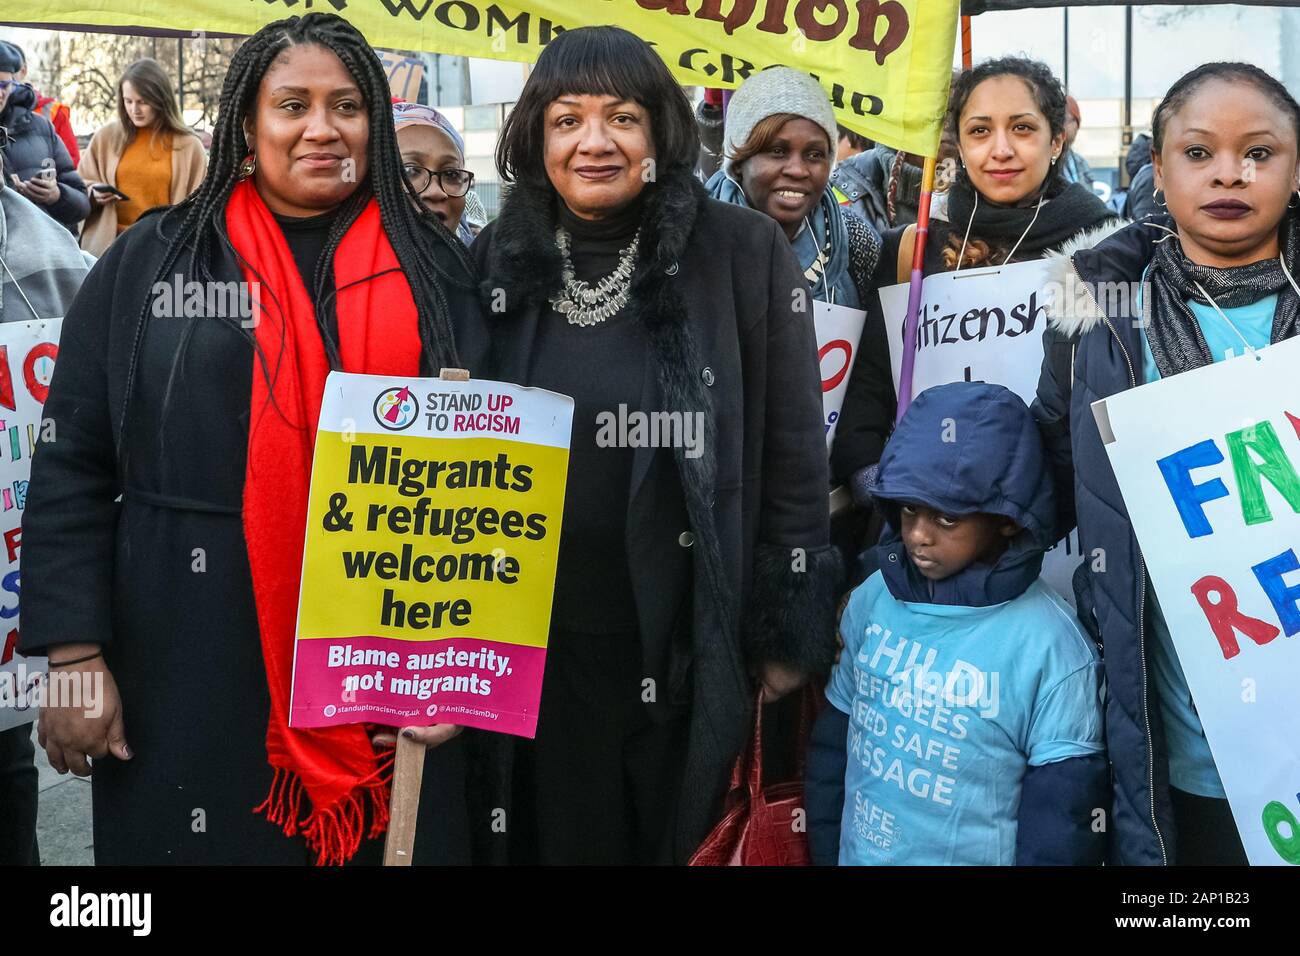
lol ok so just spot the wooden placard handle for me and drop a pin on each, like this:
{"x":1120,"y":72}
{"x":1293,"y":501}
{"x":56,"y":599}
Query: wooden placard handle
{"x":408,"y":764}
{"x":404,"y":804}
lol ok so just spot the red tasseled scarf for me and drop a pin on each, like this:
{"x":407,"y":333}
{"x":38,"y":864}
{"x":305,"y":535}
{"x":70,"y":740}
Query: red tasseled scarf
{"x":335,"y":768}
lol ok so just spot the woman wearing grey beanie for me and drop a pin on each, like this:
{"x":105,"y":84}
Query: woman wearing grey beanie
{"x":779,"y":148}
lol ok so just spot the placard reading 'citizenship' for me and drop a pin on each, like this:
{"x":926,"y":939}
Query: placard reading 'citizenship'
{"x":983,"y":325}
{"x":433,"y":529}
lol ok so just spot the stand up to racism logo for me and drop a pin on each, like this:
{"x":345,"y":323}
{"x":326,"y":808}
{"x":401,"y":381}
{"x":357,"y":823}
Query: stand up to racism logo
{"x":395,"y":408}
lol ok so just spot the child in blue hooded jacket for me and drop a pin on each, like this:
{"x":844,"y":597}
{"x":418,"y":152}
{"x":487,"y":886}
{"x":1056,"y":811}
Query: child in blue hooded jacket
{"x":965,"y":721}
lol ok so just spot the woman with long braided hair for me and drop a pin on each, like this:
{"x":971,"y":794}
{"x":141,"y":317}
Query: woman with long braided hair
{"x":165,"y":524}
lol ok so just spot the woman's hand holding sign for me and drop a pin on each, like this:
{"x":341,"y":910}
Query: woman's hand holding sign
{"x":384,"y":737}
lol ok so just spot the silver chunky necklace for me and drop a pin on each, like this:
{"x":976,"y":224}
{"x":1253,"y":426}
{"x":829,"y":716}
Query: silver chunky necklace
{"x":579,"y":301}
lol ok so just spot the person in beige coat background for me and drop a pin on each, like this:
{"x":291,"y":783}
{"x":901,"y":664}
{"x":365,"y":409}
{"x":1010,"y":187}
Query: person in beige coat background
{"x":122,"y":156}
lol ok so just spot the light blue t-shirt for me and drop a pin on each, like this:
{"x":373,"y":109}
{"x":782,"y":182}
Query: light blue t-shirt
{"x":1254,"y":321}
{"x":1191,"y":765}
{"x":947,"y":708}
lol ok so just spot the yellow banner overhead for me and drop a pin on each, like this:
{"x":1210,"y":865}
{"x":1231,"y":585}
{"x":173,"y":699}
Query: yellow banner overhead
{"x":885,"y":64}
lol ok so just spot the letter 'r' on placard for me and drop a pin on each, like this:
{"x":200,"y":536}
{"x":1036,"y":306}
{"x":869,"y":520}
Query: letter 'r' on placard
{"x":1205,"y":464}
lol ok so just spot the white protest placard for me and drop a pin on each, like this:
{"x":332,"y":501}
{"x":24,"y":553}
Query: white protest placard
{"x":976,"y":325}
{"x":982,"y":325}
{"x":27,"y":354}
{"x":839,"y":329}
{"x":1209,"y":466}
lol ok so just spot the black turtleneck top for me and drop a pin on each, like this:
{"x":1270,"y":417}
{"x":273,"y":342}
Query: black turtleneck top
{"x":307,"y":237}
{"x":602,"y":367}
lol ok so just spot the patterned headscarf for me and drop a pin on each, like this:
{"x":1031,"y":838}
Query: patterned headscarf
{"x":417,"y":114}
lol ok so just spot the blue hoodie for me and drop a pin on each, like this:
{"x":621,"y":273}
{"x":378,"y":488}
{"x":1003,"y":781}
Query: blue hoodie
{"x":962,"y":449}
{"x":975,"y":734}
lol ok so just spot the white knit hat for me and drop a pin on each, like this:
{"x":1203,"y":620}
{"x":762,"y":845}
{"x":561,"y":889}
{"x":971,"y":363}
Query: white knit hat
{"x":780,"y":89}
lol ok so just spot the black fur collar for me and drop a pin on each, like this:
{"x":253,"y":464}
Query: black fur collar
{"x":525,"y":264}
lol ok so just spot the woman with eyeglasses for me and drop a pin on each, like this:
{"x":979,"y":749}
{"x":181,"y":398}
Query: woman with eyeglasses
{"x":433,"y":159}
{"x":33,"y":159}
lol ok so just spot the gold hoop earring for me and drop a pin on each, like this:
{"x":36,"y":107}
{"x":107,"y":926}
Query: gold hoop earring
{"x":248,"y":166}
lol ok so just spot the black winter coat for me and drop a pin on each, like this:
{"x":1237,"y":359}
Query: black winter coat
{"x":1091,"y":355}
{"x":728,"y":552}
{"x":33,"y":147}
{"x":160,"y":577}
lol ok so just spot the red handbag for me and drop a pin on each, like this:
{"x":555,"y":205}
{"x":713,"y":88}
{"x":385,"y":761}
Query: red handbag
{"x":761,"y":826}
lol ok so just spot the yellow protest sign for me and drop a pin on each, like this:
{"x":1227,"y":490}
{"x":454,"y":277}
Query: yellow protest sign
{"x":885,"y":64}
{"x":433,"y":525}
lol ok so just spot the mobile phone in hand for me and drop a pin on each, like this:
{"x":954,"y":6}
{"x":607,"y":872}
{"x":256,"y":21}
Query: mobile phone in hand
{"x":105,"y":188}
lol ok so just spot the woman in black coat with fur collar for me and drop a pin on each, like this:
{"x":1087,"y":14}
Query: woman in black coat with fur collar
{"x":690,"y":577}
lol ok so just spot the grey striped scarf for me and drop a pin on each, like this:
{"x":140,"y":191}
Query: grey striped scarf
{"x":1173,"y":333}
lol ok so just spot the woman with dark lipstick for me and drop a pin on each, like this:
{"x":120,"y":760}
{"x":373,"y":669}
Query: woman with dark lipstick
{"x":1215,"y":278}
{"x":1009,"y":203}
